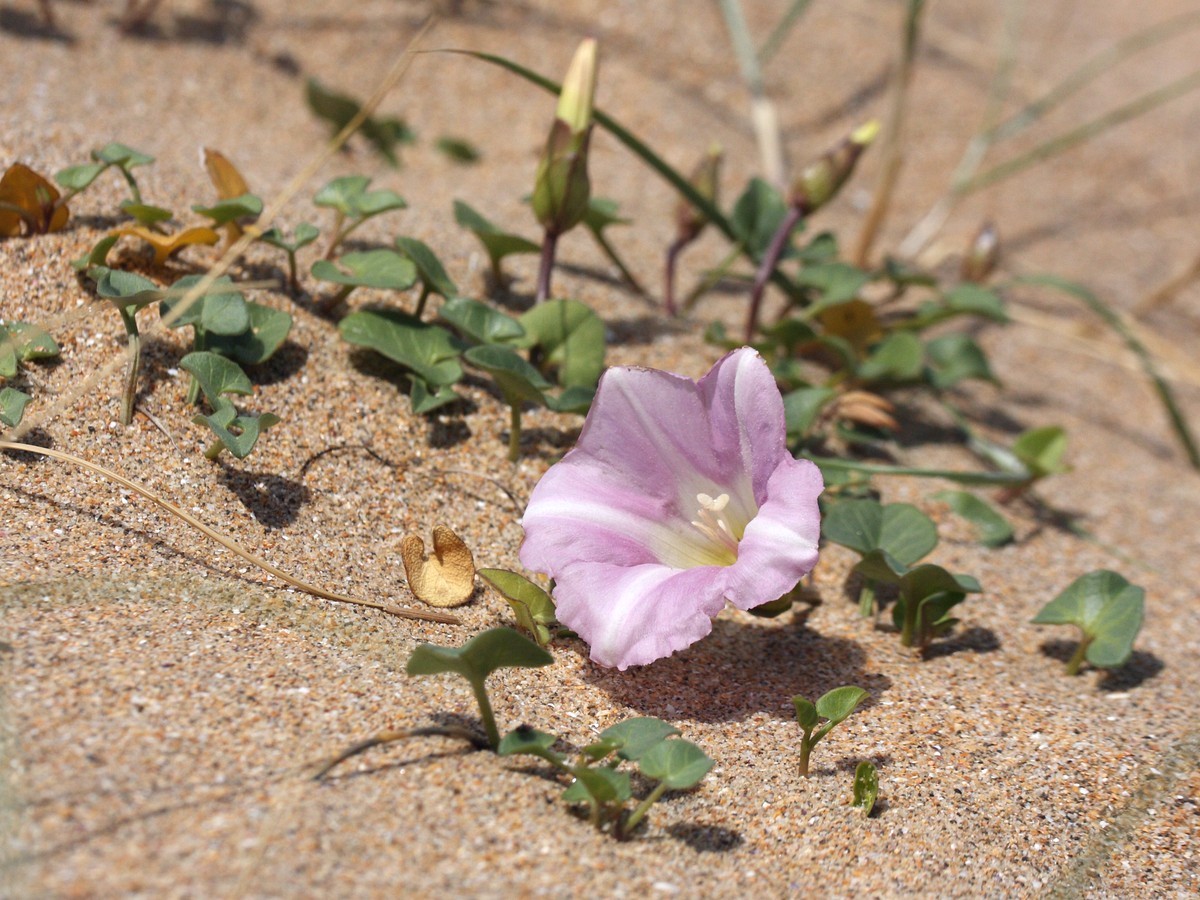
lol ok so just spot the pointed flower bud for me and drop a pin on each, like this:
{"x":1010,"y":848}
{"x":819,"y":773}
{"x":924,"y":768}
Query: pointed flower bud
{"x":689,"y":220}
{"x":982,"y":255}
{"x":820,"y":180}
{"x":579,"y":88}
{"x":561,"y":188}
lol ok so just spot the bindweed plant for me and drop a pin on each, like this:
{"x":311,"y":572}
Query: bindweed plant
{"x":1107,"y":609}
{"x":20,"y":342}
{"x":217,"y":376}
{"x":353,"y":205}
{"x":497,"y":243}
{"x":532,"y":607}
{"x":866,"y":787}
{"x":675,"y":764}
{"x":835,"y":706}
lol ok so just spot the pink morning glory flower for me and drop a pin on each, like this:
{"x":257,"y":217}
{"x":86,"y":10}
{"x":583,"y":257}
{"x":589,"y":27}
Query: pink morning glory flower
{"x":680,"y":496}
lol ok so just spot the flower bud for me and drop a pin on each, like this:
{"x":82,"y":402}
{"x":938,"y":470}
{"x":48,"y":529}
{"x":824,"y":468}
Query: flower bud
{"x":689,"y":220}
{"x":982,"y":255}
{"x":561,"y":187}
{"x":820,"y":180}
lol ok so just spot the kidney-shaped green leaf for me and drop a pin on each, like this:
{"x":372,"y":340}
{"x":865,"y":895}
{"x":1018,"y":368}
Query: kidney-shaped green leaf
{"x":993,"y":528}
{"x":428,"y":350}
{"x":633,"y":738}
{"x":901,"y":529}
{"x":677,"y":763}
{"x":429,"y":268}
{"x":1107,"y":608}
{"x":383,"y":268}
{"x":480,"y":322}
{"x":838,"y":704}
{"x":572,"y":337}
{"x":216,"y":375}
{"x":12,"y":406}
{"x":496,"y":648}
{"x":599,"y":785}
{"x":532,"y":606}
{"x":518,"y":380}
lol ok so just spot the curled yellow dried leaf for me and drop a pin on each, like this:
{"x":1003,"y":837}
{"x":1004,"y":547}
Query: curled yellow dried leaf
{"x":29,"y":200}
{"x":447,"y":578}
{"x":166,"y":244}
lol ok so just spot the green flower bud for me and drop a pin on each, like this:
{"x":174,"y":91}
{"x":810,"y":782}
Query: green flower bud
{"x":561,"y":186}
{"x":690,"y":221}
{"x":820,"y":180}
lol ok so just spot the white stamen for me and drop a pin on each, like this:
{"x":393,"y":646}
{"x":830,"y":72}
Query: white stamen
{"x":712,"y":523}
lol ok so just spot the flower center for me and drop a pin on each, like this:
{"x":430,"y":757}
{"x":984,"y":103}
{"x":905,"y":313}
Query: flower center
{"x":713,"y":522}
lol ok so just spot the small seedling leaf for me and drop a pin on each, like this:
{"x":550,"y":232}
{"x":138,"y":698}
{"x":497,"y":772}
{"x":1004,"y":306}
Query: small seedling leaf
{"x":221,"y":311}
{"x":12,"y":406}
{"x":601,"y":213}
{"x":806,"y":713}
{"x":993,"y":529}
{"x":838,"y":704}
{"x":901,"y":529}
{"x":837,"y":283}
{"x":866,"y":787}
{"x":480,"y":322}
{"x":854,"y":323}
{"x":447,"y":578}
{"x":383,"y":269}
{"x":224,"y":175}
{"x":303,"y":235}
{"x":1107,"y":608}
{"x":532,"y":606}
{"x":518,"y":380}
{"x":879,"y":565}
{"x":98,"y":255}
{"x":76,"y":178}
{"x":757,"y":215}
{"x":428,"y":350}
{"x":1042,"y":450}
{"x":571,"y":337}
{"x":526,"y":741}
{"x":496,"y":242}
{"x":633,"y":738}
{"x":496,"y":648}
{"x":238,"y":433}
{"x":899,"y":357}
{"x":954,"y":358}
{"x":801,"y":408}
{"x":457,"y":150}
{"x":216,"y":375}
{"x":120,"y":155}
{"x":601,"y":785}
{"x":429,"y":267}
{"x":125,"y":289}
{"x":30,"y":341}
{"x":677,"y":763}
{"x":145,"y":213}
{"x":975,"y":300}
{"x":231,"y":209}
{"x":423,"y":401}
{"x":166,"y":244}
{"x":268,"y":330}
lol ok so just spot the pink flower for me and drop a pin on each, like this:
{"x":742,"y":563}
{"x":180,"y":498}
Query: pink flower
{"x":679,"y":497}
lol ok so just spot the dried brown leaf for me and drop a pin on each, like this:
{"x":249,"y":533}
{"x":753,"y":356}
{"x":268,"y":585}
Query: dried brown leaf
{"x":229,"y":184}
{"x":166,"y":244}
{"x":28,"y":199}
{"x":447,"y":578}
{"x":855,"y":321}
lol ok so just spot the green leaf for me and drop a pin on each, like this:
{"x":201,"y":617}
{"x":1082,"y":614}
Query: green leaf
{"x":338,"y":109}
{"x":518,"y":380}
{"x":428,"y":350}
{"x":571,"y":337}
{"x":757,"y":215}
{"x":97,"y":257}
{"x":496,"y":648}
{"x":838,"y":704}
{"x":457,"y":150}
{"x":954,"y":358}
{"x":635,"y":737}
{"x":29,"y":341}
{"x":480,"y":322}
{"x":898,"y":357}
{"x":239,"y":433}
{"x":976,"y":300}
{"x":429,"y":267}
{"x":575,"y":399}
{"x":801,"y":408}
{"x":222,"y":311}
{"x":496,"y":242}
{"x":600,"y":785}
{"x":866,"y":787}
{"x":879,"y":565}
{"x":146,"y":213}
{"x":303,"y":235}
{"x":125,"y":289}
{"x":121,"y":156}
{"x":342,"y":193}
{"x":268,"y":330}
{"x":532,"y":606}
{"x":806,"y":713}
{"x":423,"y":401}
{"x":836,"y":283}
{"x":928,"y":579}
{"x":76,"y":178}
{"x":12,"y":406}
{"x":216,"y":375}
{"x":601,"y":213}
{"x":677,"y":763}
{"x":225,"y":211}
{"x":901,"y":529}
{"x":526,"y":741}
{"x":993,"y":529}
{"x":1106,"y":608}
{"x":383,"y":269}
{"x":1042,"y":450}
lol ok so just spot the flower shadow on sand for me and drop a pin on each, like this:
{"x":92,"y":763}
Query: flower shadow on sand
{"x":746,"y":666}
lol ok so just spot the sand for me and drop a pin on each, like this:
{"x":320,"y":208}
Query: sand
{"x":163,"y":703}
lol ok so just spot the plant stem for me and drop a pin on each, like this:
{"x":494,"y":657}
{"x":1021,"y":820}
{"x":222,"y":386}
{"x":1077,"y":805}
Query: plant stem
{"x":616,"y":260}
{"x":421,"y":301}
{"x":866,"y":598}
{"x":133,"y":185}
{"x":780,"y":32}
{"x":339,"y":218}
{"x":292,"y":279}
{"x":546,"y":266}
{"x":485,"y":713}
{"x":763,"y":115}
{"x":1077,"y":658}
{"x":805,"y":751}
{"x":214,"y":450}
{"x":712,"y":276}
{"x":909,"y":629}
{"x":642,"y":808}
{"x":767,"y":266}
{"x":388,"y":737}
{"x":673,"y":252}
{"x":129,"y":395}
{"x":514,"y":431}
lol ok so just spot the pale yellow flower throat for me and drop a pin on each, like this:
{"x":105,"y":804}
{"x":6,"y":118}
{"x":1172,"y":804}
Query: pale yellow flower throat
{"x":712,"y":522}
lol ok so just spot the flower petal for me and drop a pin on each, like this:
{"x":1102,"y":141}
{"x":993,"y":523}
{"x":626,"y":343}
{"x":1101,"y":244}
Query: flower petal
{"x":780,"y":543}
{"x":631,"y":616}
